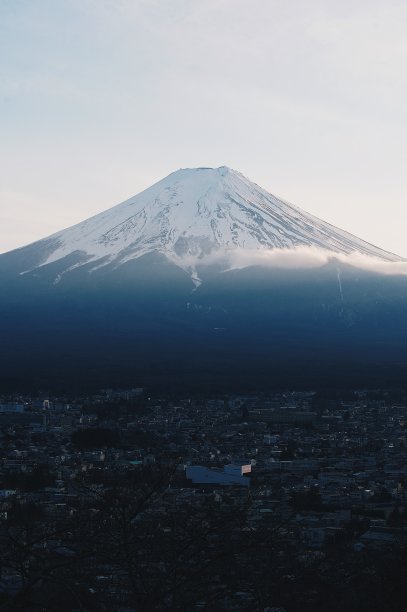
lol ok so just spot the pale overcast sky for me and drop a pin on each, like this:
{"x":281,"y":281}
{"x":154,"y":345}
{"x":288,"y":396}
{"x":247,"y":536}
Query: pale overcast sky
{"x":101,"y":98}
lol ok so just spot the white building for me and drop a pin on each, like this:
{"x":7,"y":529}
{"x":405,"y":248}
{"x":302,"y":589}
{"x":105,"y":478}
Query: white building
{"x":231,"y":475}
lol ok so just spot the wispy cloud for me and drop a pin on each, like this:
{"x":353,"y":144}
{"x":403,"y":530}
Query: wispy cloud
{"x":298,"y":258}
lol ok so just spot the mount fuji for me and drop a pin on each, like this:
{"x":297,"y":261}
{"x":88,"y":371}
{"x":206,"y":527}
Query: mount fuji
{"x":202,"y":280}
{"x":188,"y":216}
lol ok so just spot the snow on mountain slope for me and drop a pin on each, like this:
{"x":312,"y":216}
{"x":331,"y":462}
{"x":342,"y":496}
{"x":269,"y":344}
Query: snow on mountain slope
{"x":194,"y":212}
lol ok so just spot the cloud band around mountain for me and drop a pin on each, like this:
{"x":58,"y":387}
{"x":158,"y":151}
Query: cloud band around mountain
{"x":301,"y":257}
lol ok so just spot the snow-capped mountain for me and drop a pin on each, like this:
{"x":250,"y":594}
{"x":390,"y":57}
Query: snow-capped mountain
{"x":187,"y":284}
{"x":193,"y":213}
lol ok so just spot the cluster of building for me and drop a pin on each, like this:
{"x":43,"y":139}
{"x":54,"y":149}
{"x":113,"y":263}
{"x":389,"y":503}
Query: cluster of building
{"x":322,"y":475}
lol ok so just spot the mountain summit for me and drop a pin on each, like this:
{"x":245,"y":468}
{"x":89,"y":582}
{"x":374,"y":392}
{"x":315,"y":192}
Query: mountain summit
{"x":189,"y":215}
